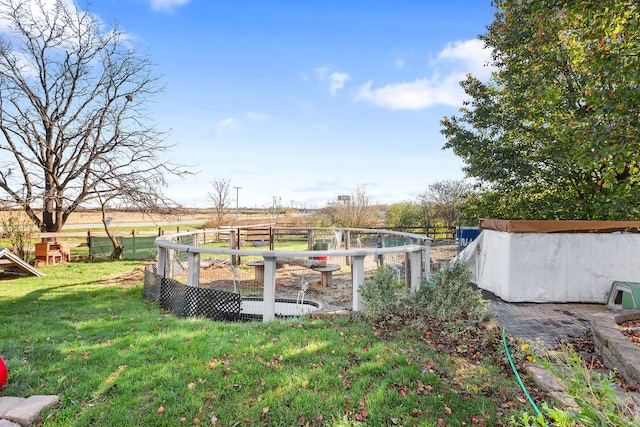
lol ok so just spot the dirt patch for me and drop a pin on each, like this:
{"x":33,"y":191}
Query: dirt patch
{"x":132,"y":278}
{"x":289,"y":280}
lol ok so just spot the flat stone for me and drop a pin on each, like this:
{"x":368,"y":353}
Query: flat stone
{"x":7,"y":403}
{"x":7,"y":423}
{"x":27,"y":411}
{"x":563,"y":399}
{"x":544,"y":378}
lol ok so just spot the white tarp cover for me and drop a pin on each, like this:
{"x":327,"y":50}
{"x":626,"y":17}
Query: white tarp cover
{"x":552,"y":267}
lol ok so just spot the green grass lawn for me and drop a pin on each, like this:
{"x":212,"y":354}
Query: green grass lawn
{"x":84,"y":333}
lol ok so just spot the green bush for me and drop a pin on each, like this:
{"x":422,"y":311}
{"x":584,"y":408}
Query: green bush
{"x":450,"y":295}
{"x":19,"y":232}
{"x":381,"y":294}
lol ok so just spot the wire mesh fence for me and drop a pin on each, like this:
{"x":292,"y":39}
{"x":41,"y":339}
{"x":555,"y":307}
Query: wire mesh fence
{"x":290,"y":273}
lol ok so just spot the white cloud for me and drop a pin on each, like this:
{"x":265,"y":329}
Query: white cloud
{"x":46,"y":9}
{"x":224,"y":124}
{"x":337,"y":81}
{"x":415,"y":95}
{"x":400,"y":63}
{"x":441,"y":87}
{"x":166,"y":5}
{"x":470,"y":55}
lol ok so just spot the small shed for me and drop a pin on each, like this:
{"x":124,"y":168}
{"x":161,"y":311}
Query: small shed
{"x":553,"y":261}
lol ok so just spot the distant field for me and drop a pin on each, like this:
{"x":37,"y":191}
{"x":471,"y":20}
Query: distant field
{"x":135,"y":217}
{"x":95,"y":217}
{"x":143,"y":221}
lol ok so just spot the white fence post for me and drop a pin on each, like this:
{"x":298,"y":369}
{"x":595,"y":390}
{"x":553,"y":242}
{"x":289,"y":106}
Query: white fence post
{"x":193,"y":277}
{"x":426,"y":262}
{"x":357,"y":274}
{"x":269,"y":292}
{"x":171,"y":254}
{"x":161,"y":266}
{"x":193,"y":282}
{"x":416,"y":270}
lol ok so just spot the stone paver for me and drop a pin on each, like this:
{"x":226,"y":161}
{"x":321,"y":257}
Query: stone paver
{"x":24,"y":411}
{"x":615,"y":348}
{"x":545,"y":322}
{"x":8,"y":402}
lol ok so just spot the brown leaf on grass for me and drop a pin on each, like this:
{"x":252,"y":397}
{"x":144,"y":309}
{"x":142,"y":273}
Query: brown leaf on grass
{"x":161,"y":409}
{"x":447,"y":410}
{"x":265,"y":409}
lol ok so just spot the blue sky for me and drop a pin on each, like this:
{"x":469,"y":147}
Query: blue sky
{"x":305,"y":100}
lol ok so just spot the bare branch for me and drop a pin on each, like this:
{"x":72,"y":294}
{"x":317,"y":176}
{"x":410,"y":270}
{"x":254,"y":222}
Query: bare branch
{"x":73,"y":121}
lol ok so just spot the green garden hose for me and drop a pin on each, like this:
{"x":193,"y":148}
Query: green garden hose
{"x":515,"y":371}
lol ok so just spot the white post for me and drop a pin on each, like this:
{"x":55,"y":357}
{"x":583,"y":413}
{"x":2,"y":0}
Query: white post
{"x":357,"y":274}
{"x":170,"y":261}
{"x":426,"y":261}
{"x":163,"y":254}
{"x":193,"y":277}
{"x":416,"y":270}
{"x":269,"y":292}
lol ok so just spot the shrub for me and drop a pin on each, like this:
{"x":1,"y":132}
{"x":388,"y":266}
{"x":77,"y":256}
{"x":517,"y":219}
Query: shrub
{"x":380,"y":294}
{"x":450,"y":295}
{"x":19,"y":232}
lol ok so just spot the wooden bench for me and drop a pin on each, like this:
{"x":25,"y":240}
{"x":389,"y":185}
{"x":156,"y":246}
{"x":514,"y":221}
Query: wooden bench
{"x":51,"y":253}
{"x":326,"y":273}
{"x":258,"y":268}
{"x":325,"y":270}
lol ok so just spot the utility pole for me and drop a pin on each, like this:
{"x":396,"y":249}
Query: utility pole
{"x":237,"y":191}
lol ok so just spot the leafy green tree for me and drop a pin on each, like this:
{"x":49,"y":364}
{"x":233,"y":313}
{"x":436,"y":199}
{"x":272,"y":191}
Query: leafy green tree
{"x":553,"y":134}
{"x":407,"y":214}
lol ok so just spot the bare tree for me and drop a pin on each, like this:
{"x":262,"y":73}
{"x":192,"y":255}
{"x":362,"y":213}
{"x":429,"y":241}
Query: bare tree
{"x":355,"y":211}
{"x":73,"y":97}
{"x":221,"y":198}
{"x":137,"y":188}
{"x":445,"y":197}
